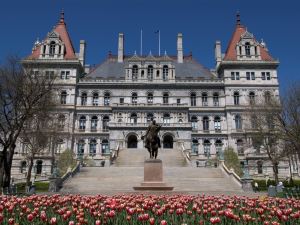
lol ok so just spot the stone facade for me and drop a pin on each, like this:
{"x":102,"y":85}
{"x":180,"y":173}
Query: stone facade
{"x":109,"y":107}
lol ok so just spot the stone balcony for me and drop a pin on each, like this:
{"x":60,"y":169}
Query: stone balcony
{"x":145,"y":125}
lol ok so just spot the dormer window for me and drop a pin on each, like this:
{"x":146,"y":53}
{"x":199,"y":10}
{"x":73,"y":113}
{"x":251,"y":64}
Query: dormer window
{"x":165,"y":72}
{"x":135,"y":72}
{"x":247,"y":49}
{"x":150,"y":72}
{"x":52,"y":49}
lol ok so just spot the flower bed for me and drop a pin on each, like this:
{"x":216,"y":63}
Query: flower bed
{"x":148,"y":209}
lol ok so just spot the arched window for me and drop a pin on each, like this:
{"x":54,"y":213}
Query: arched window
{"x":193,"y":99}
{"x":93,"y":147}
{"x":61,"y":121}
{"x":204,"y":99}
{"x":219,"y":146}
{"x":195,"y":145}
{"x":150,"y":72}
{"x":106,"y":98}
{"x":165,"y":72}
{"x":165,"y":98}
{"x":206,"y":145}
{"x":205,"y":123}
{"x":236,"y":98}
{"x":94,"y":123}
{"x":135,"y":72}
{"x":23,"y":166}
{"x":216,"y":99}
{"x":133,"y":118}
{"x":134,"y":97}
{"x":240,"y":146}
{"x":82,"y":123}
{"x":217,"y":124}
{"x":166,"y":118}
{"x":267,"y":97}
{"x":59,"y":146}
{"x":63,"y":97}
{"x":252,"y":97}
{"x":149,"y":117}
{"x":52,"y":49}
{"x":95,"y":99}
{"x":194,"y":121}
{"x":259,"y":167}
{"x":83,"y":98}
{"x":105,"y":147}
{"x":247,"y":49}
{"x":80,"y":148}
{"x":238,"y":122}
{"x":105,"y":123}
{"x":39,"y":167}
{"x":150,"y":98}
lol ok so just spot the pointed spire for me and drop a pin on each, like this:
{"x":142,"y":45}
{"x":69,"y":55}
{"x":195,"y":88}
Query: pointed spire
{"x":238,"y":18}
{"x":62,"y":17}
{"x":165,"y":53}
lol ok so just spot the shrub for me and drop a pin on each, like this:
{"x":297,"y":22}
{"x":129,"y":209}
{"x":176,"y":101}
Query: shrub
{"x":263,"y":184}
{"x":231,"y":160}
{"x":66,"y":160}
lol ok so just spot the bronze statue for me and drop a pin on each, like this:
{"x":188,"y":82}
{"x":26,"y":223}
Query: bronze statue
{"x":152,"y":141}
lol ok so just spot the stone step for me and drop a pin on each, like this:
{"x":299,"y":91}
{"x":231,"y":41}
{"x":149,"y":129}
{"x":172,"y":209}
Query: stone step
{"x":113,"y":180}
{"x":136,"y":157}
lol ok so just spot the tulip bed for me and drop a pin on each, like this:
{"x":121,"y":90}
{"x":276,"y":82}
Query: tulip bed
{"x":148,"y":209}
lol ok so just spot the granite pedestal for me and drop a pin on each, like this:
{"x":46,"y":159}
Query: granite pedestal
{"x":153,"y":177}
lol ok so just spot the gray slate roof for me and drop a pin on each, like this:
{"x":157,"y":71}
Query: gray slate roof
{"x":112,"y":69}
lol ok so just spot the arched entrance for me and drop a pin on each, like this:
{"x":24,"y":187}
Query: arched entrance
{"x":168,"y":141}
{"x":132,"y":141}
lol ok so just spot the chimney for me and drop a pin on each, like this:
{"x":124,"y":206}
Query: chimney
{"x":179,"y":48}
{"x":121,"y":47}
{"x":82,"y":52}
{"x":218,"y":54}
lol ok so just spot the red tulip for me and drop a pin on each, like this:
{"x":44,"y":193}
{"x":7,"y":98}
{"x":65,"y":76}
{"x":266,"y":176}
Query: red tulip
{"x":152,"y":221}
{"x":11,"y":221}
{"x":163,"y":222}
{"x":30,"y":217}
{"x":98,"y":222}
{"x":53,"y":220}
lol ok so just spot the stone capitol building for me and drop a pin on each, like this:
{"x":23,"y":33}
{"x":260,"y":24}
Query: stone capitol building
{"x":108,"y":107}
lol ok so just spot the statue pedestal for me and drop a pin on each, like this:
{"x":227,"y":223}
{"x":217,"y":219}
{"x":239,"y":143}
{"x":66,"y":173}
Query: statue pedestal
{"x":153,"y":177}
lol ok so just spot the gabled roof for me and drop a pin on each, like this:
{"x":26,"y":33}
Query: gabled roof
{"x":239,"y":32}
{"x":61,"y":30}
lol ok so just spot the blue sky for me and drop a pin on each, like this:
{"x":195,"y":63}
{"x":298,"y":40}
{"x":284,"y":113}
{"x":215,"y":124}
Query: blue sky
{"x":202,"y":22}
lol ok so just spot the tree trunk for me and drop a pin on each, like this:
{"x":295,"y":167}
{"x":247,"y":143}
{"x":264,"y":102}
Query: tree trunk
{"x":275,"y":171}
{"x":28,"y":177}
{"x":2,"y":157}
{"x":8,"y":164}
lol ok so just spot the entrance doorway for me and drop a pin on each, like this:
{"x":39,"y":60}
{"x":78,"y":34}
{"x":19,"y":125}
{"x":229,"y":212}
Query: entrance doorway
{"x":168,"y":141}
{"x":132,"y":141}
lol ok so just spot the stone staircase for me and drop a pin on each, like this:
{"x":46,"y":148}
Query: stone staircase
{"x":136,"y":158}
{"x":116,"y":180}
{"x":128,"y":171}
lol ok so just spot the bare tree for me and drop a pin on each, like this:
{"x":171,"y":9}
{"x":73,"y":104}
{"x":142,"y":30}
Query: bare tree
{"x":36,"y":134}
{"x":290,"y":118}
{"x":21,"y":92}
{"x":265,"y":130}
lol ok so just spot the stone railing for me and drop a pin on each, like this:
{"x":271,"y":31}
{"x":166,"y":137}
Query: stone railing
{"x":186,"y":153}
{"x":186,"y":125}
{"x":114,"y":154}
{"x":118,"y":80}
{"x":57,"y":183}
{"x":232,"y":174}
